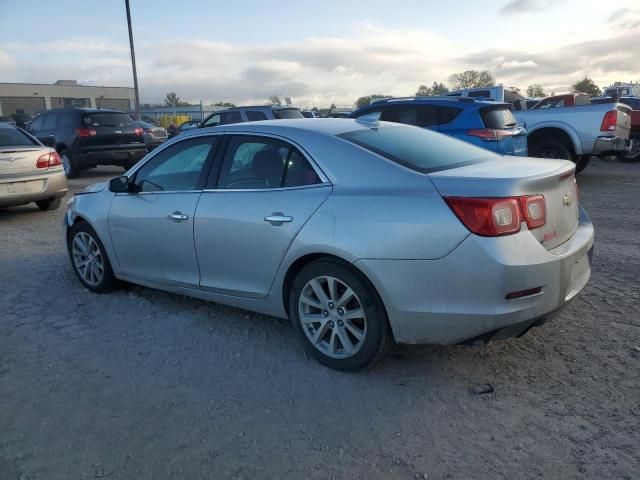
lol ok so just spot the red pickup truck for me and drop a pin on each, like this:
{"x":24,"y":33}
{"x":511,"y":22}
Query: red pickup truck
{"x":563,"y":100}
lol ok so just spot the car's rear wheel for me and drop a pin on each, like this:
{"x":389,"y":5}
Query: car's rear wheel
{"x":71,"y":169}
{"x":552,"y":150}
{"x":89,"y":259}
{"x":49,"y":204}
{"x":339,"y":316}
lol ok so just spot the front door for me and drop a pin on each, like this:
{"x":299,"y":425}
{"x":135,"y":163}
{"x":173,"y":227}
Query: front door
{"x":152,"y":227}
{"x":265,"y":193}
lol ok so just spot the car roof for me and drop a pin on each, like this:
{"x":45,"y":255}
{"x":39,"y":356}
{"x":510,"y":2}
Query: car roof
{"x":323,"y":126}
{"x":83,"y":110}
{"x":445,"y":101}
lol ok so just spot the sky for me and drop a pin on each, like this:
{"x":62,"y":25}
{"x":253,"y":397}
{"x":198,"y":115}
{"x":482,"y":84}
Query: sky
{"x":317,"y":52}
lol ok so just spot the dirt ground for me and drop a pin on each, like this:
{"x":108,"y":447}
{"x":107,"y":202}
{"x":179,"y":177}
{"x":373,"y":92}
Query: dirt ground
{"x":140,"y":384}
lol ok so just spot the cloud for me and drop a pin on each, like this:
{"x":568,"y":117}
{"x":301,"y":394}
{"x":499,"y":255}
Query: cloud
{"x":515,"y":7}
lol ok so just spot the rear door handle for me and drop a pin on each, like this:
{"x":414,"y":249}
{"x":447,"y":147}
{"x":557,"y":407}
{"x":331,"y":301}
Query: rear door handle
{"x":278,"y":218}
{"x":178,"y":217}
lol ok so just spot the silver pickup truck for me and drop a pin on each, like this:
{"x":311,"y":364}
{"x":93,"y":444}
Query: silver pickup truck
{"x":575,"y":133}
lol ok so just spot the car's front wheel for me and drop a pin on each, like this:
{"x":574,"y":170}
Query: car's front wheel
{"x":339,"y":316}
{"x":89,"y":259}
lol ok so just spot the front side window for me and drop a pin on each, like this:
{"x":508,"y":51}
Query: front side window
{"x":212,"y":121}
{"x":253,"y":162}
{"x":50,"y":121}
{"x":176,"y":168}
{"x":417,"y":148}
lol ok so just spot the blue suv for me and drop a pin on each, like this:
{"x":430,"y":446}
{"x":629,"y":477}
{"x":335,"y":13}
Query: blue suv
{"x":487,"y":124}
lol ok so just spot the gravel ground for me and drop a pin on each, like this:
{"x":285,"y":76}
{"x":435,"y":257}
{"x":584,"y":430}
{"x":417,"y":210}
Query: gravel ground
{"x":140,"y":384}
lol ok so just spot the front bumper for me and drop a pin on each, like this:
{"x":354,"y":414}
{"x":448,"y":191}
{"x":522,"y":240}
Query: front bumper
{"x":462,"y":295}
{"x":32,"y":188}
{"x":609,"y":144}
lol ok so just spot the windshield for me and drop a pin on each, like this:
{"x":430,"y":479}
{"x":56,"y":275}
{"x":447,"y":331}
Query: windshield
{"x":10,"y":137}
{"x":417,"y":148}
{"x":108,"y":120}
{"x":284,"y":113}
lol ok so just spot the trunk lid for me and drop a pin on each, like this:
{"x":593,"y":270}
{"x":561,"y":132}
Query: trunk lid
{"x":17,"y":160}
{"x":516,"y":176}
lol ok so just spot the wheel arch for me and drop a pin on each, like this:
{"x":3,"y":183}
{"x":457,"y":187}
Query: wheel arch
{"x":557,"y":134}
{"x":301,"y":262}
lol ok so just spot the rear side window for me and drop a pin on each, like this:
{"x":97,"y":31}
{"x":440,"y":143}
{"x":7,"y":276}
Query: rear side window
{"x":417,"y":148}
{"x":420,"y":115}
{"x":284,"y":113}
{"x":254,"y":116}
{"x":10,"y":137}
{"x":107,"y":120}
{"x":498,"y":118}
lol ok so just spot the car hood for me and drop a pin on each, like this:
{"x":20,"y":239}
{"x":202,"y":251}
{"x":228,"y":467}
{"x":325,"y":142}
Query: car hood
{"x":94,"y":188}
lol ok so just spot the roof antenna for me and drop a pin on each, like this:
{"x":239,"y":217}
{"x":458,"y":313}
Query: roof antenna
{"x":370,"y":119}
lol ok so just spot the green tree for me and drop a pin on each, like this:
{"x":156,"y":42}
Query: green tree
{"x":173,"y":100}
{"x":274,"y":100}
{"x":535,"y":90}
{"x":439,"y":89}
{"x":586,"y":85}
{"x":367,"y":99}
{"x":471,"y":79}
{"x":224,"y":104}
{"x":424,"y":91}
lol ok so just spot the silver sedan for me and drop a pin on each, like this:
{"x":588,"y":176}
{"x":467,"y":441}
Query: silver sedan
{"x":363,"y":234}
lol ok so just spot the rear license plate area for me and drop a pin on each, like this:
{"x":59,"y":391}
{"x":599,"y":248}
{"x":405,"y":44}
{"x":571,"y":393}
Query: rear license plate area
{"x":20,"y":188}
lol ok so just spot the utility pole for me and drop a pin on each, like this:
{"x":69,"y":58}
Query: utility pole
{"x":133,"y":61}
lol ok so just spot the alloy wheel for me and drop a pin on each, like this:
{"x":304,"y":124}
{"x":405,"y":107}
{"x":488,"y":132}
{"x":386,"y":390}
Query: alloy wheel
{"x":87,"y":258}
{"x":66,"y":163}
{"x":332,"y":317}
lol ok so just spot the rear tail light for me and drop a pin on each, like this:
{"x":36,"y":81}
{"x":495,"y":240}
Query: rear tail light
{"x":85,"y":132}
{"x":48,"y":160}
{"x":610,"y":121}
{"x":494,"y":217}
{"x":490,"y":134}
{"x":139,"y":131}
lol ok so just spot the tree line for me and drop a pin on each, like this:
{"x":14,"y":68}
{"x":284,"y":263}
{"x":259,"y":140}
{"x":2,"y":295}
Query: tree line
{"x":458,"y":81}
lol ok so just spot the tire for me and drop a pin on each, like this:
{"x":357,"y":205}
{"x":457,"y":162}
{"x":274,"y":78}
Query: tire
{"x":82,"y":235}
{"x":552,"y":149}
{"x":71,"y":169}
{"x":50,"y":204}
{"x":340,"y":343}
{"x":582,"y":163}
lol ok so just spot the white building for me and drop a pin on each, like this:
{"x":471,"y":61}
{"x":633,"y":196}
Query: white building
{"x":33,"y":98}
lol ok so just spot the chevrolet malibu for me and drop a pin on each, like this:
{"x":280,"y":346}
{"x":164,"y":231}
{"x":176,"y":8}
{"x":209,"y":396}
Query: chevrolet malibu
{"x":363,"y":234}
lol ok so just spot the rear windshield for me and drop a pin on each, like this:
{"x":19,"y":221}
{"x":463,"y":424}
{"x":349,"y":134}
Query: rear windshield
{"x":284,"y":113}
{"x":417,"y":148}
{"x":107,"y":120}
{"x":10,"y":137}
{"x":498,"y":118}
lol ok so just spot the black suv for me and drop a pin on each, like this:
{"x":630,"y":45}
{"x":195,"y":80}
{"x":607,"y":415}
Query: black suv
{"x":86,"y":138}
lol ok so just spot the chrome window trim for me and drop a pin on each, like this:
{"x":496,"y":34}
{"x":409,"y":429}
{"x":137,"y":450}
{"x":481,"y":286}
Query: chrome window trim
{"x":278,"y":189}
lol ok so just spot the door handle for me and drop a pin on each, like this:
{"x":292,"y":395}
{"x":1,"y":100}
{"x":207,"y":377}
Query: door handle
{"x":278,"y":218}
{"x":177,"y":217}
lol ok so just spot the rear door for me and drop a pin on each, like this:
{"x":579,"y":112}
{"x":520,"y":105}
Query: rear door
{"x":152,"y":229}
{"x":245,"y":221}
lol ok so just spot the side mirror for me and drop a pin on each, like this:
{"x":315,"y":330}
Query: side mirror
{"x":48,"y":141}
{"x":120,"y":184}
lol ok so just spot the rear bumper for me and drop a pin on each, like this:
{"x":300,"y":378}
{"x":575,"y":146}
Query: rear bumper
{"x":116,"y":155}
{"x":33,"y":188}
{"x":608,"y":144}
{"x":462,"y":295}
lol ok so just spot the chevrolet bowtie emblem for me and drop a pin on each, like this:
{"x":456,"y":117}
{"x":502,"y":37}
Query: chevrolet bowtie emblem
{"x":567,"y":199}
